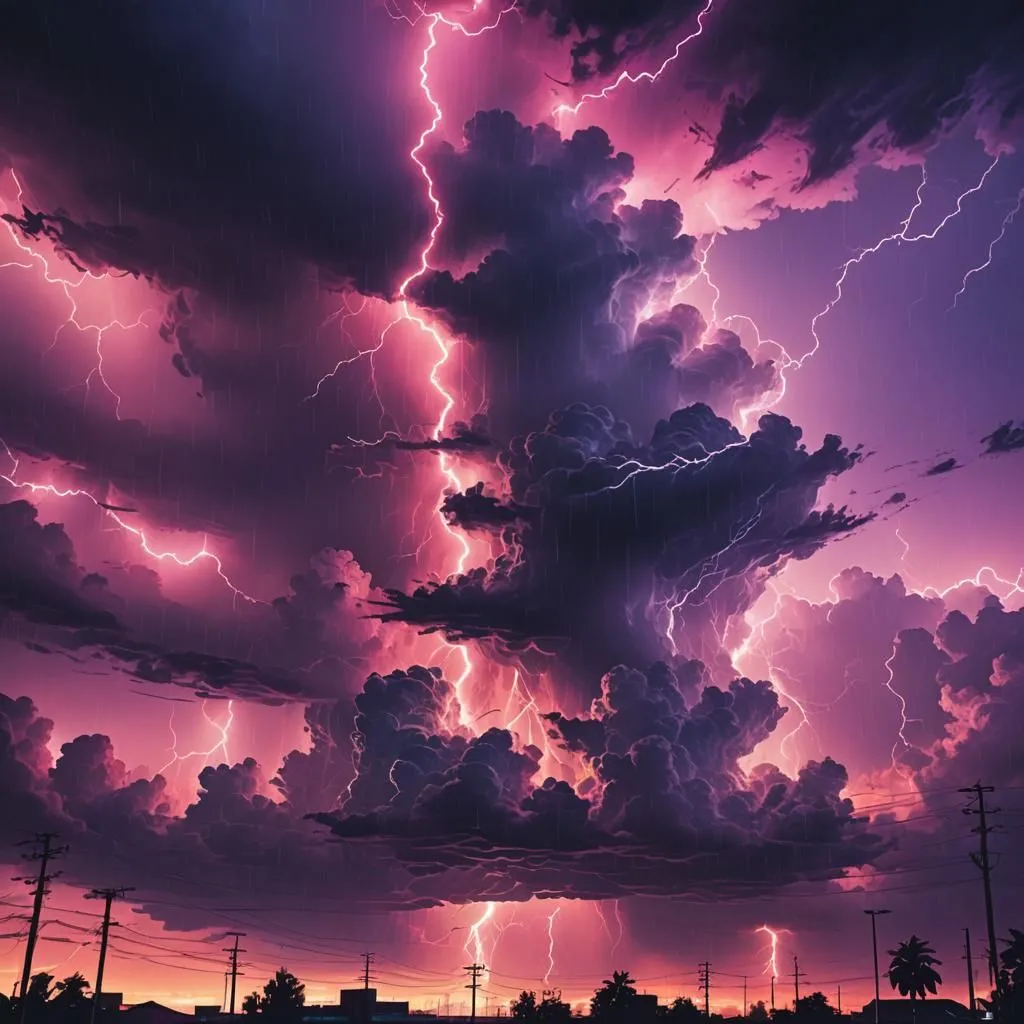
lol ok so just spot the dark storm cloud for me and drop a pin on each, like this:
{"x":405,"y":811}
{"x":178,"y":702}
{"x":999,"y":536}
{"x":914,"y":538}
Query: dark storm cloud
{"x":445,"y":816}
{"x":471,"y":440}
{"x":943,"y":467}
{"x":40,"y":580}
{"x":219,"y":148}
{"x":313,"y":642}
{"x":604,"y":534}
{"x":673,"y":354}
{"x":611,"y":32}
{"x":1005,"y":438}
{"x":563,"y":267}
{"x":231,"y":841}
{"x":665,"y":812}
{"x":840,"y":77}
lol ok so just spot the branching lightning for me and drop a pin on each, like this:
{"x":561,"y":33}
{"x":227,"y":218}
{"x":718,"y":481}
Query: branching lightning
{"x":474,"y":947}
{"x":67,"y":287}
{"x":646,"y":76}
{"x":771,"y":968}
{"x":223,"y":731}
{"x":182,"y":560}
{"x":789,"y":363}
{"x":754,"y":637}
{"x":1007,"y":221}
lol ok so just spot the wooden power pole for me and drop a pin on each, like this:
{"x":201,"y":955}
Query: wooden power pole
{"x":704,"y":983}
{"x":981,"y":859}
{"x":474,"y":970}
{"x":232,"y":952}
{"x":970,"y":970}
{"x":108,"y":896}
{"x":43,"y":851}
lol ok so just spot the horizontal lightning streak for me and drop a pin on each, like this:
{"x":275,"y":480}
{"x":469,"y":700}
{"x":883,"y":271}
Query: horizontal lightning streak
{"x":184,"y":561}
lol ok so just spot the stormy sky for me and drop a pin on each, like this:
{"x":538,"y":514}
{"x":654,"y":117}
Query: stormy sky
{"x":497,"y":481}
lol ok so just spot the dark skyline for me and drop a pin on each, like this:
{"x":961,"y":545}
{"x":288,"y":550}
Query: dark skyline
{"x":478,"y":479}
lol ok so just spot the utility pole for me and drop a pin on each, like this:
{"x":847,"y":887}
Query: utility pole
{"x":44,"y":851}
{"x":839,"y":999}
{"x":232,"y":952}
{"x":744,"y":996}
{"x":981,"y":860}
{"x":108,"y":896}
{"x":773,"y":991}
{"x":874,"y":949}
{"x":368,"y":959}
{"x":474,"y":970}
{"x":704,"y":985}
{"x":970,"y":970}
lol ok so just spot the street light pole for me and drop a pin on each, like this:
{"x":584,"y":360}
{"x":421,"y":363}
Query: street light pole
{"x":874,"y":949}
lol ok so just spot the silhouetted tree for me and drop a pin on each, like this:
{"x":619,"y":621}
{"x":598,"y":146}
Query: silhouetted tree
{"x":40,"y":987}
{"x":71,"y":1001}
{"x":614,"y":1000}
{"x":912,"y":969}
{"x":815,"y":1008}
{"x":758,"y":1011}
{"x":1011,"y":977}
{"x":6,"y":1009}
{"x":683,"y":1010}
{"x":550,"y":1010}
{"x":283,"y":996}
{"x":525,"y":1007}
{"x":252,"y":1004}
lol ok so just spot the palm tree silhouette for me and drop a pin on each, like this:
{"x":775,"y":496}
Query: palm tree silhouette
{"x":912,"y":969}
{"x":614,"y":999}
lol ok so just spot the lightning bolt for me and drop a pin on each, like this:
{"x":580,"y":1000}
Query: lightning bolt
{"x":551,"y":945}
{"x":184,"y":561}
{"x":223,"y":730}
{"x":645,"y":76}
{"x":450,"y":478}
{"x":618,"y":921}
{"x":904,"y":721}
{"x":1015,"y":586}
{"x":1007,"y":221}
{"x":755,"y":637}
{"x":67,"y":287}
{"x":474,"y":947}
{"x":787,"y":362}
{"x":772,"y":966}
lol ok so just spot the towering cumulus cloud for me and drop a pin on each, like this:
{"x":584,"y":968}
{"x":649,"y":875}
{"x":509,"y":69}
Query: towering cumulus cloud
{"x":626,"y":552}
{"x":363,"y":377}
{"x":565,"y":286}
